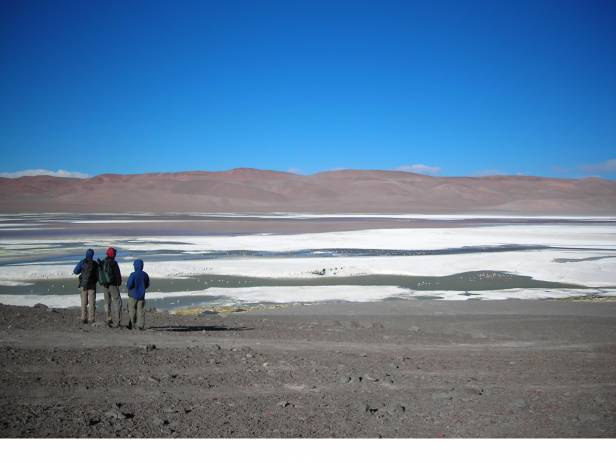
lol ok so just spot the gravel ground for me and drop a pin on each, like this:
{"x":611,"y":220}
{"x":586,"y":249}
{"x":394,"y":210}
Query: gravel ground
{"x":403,"y":369}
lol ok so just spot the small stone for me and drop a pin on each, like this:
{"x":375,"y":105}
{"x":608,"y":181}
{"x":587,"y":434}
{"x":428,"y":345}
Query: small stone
{"x":265,"y":364}
{"x":370,"y":409}
{"x":476,"y":390}
{"x":51,"y":310}
{"x":40,"y":306}
{"x":93,"y":421}
{"x":283,"y":404}
{"x":216,"y":347}
{"x":153,"y":379}
{"x":149,"y":347}
{"x":345,"y":379}
{"x":249,"y":356}
{"x":370,"y":378}
{"x":363,"y":354}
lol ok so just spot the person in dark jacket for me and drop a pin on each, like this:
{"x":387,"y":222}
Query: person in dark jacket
{"x":111,"y":281}
{"x":138,"y":282}
{"x":87,"y":269}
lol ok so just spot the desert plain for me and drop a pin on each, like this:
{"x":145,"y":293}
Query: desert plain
{"x":388,"y":369}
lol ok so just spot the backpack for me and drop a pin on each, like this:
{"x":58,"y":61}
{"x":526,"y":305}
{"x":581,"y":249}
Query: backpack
{"x":105,"y":272}
{"x":87,"y":276}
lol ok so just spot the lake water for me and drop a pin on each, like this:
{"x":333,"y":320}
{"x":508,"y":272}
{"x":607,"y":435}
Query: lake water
{"x":201,"y":260}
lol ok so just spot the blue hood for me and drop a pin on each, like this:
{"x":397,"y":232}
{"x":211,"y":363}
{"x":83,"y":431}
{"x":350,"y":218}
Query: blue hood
{"x":89,"y":254}
{"x":138,"y":281}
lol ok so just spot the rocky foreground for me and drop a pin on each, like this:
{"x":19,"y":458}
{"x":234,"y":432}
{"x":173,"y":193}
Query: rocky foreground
{"x":412,"y":369}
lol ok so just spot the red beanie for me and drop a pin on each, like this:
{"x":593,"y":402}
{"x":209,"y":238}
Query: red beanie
{"x":111,"y":252}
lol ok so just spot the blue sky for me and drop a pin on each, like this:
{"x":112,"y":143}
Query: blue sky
{"x":446,"y":88}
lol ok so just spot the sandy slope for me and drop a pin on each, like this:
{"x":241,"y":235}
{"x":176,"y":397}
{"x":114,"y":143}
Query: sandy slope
{"x":389,"y":369}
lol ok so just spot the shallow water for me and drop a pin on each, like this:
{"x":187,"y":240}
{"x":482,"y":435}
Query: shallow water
{"x":470,"y":281}
{"x":465,"y":254}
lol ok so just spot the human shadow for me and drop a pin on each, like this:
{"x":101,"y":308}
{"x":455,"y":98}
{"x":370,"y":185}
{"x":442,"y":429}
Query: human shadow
{"x":188,"y":329}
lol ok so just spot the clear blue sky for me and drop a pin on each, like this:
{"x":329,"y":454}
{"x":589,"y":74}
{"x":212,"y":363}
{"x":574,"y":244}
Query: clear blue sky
{"x":464,"y":87}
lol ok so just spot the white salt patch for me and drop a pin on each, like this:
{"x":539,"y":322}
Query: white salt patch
{"x":541,"y":265}
{"x":111,"y":221}
{"x":20,"y":228}
{"x":14,"y":283}
{"x":290,"y":294}
{"x":416,"y":239}
{"x":18,"y":247}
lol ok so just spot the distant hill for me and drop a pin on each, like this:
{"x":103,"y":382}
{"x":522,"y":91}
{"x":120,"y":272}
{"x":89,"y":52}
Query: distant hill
{"x":252,"y":190}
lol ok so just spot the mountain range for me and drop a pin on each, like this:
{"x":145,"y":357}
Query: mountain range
{"x":341,"y":191}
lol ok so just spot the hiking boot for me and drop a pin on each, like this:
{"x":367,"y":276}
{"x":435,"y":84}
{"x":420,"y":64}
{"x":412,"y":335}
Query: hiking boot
{"x":109,"y":323}
{"x":85,"y":322}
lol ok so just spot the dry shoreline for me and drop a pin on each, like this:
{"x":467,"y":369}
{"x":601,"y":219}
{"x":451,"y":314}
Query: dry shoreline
{"x":390,"y":369}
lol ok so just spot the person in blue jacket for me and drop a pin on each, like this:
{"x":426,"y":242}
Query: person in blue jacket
{"x":137,"y":283}
{"x":87,"y":269}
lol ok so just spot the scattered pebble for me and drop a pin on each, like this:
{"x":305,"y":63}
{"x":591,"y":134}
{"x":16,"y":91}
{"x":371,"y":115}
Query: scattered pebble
{"x":370,"y":409}
{"x":474,"y":390}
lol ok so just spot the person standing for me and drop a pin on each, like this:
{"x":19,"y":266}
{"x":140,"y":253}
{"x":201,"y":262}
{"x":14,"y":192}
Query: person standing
{"x":137,"y":283}
{"x":110,"y":278}
{"x":87,"y":269}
